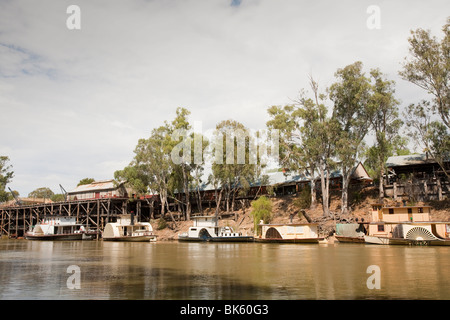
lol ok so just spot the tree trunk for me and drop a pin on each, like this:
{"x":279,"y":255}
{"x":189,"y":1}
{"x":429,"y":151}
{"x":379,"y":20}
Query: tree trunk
{"x":345,"y":184}
{"x":313,"y":187}
{"x":186,"y":192}
{"x":381,"y":185}
{"x":313,"y":194}
{"x":325,"y":188}
{"x":218,"y":201}
{"x":199,"y":201}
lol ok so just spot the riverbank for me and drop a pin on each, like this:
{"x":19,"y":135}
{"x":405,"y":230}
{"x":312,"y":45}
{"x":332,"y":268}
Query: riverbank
{"x":284,"y":208}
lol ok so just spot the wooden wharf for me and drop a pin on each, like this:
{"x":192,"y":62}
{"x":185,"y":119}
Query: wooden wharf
{"x":94,"y":213}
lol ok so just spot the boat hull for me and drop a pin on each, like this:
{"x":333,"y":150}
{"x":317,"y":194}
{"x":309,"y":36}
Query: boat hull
{"x":298,"y":240}
{"x":54,"y":237}
{"x":409,"y":242}
{"x":217,"y":239}
{"x":132,"y":239}
{"x":350,"y":239}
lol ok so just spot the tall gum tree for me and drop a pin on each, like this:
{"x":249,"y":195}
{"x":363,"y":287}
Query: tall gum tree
{"x":351,"y":97}
{"x":428,"y":67}
{"x":6,"y":175}
{"x":306,"y":139}
{"x":385,"y":125}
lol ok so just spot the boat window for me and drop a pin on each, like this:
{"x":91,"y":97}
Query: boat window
{"x":409,"y":210}
{"x":420,"y":210}
{"x":391,"y":210}
{"x":381,"y":227}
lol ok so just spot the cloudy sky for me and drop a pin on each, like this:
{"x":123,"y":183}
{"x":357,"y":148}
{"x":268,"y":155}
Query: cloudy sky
{"x":74,"y":102}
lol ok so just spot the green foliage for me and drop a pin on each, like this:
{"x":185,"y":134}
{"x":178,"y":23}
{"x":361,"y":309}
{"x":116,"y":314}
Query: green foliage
{"x":232,"y":169}
{"x":261,"y":210}
{"x":162,"y":224}
{"x":41,"y":193}
{"x":307,"y":137}
{"x":85,"y":181}
{"x":6,"y":176}
{"x":57,"y":197}
{"x":163,"y":163}
{"x":428,"y":67}
{"x":303,"y":200}
{"x":433,"y":135}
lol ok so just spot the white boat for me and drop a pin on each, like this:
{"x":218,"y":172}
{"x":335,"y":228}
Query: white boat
{"x":59,"y":228}
{"x":125,"y":229}
{"x":206,"y":228}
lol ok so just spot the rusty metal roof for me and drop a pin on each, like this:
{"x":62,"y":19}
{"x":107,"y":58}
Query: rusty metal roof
{"x":95,"y":186}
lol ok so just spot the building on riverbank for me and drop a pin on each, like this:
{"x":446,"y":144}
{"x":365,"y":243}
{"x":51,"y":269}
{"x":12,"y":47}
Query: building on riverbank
{"x":418,"y":177}
{"x":98,"y":190}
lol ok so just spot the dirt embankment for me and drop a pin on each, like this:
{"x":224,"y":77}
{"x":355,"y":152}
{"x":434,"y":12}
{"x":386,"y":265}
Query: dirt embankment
{"x":284,"y":209}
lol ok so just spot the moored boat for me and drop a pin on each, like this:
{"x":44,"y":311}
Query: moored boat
{"x":350,"y":232}
{"x":58,"y":229}
{"x":126,"y":229}
{"x":206,"y":228}
{"x":290,"y":233}
{"x":407,"y":225}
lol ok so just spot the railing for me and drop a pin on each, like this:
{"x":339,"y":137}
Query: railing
{"x":419,"y":190}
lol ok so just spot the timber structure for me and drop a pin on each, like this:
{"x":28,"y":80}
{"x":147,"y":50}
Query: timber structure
{"x":94,"y":213}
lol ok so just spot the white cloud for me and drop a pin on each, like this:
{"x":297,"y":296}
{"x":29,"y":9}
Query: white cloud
{"x":75,"y":102}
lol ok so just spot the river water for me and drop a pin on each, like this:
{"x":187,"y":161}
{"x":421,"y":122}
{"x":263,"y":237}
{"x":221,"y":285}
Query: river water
{"x":220,"y":271}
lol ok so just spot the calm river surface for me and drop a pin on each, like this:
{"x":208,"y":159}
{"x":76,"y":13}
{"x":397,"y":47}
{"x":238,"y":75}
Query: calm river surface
{"x":172,"y":270}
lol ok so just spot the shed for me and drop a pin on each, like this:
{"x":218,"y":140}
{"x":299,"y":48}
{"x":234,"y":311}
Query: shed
{"x":420,"y":165}
{"x":97,"y":190}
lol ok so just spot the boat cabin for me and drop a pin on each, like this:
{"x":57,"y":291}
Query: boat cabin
{"x":400,"y":214}
{"x":58,"y":225}
{"x":399,"y":221}
{"x":126,"y":229}
{"x":294,"y":232}
{"x":58,"y":228}
{"x":204,"y":226}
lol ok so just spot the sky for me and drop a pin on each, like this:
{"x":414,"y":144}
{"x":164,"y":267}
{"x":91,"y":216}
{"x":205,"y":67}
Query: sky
{"x":75,"y":101}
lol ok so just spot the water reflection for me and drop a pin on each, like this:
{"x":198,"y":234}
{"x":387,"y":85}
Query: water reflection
{"x":166,"y":270}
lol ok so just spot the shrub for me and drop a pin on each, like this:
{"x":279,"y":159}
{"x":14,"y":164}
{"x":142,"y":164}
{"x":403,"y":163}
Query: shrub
{"x":261,"y":210}
{"x":162,"y":224}
{"x":303,"y":201}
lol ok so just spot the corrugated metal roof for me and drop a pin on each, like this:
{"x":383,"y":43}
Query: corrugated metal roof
{"x":408,"y":160}
{"x":95,"y":186}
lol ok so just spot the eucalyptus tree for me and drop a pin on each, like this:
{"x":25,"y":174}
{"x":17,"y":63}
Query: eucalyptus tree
{"x":306,"y":139}
{"x":200,"y":144}
{"x":151,"y":167}
{"x":232,"y":167}
{"x":385,"y":124}
{"x":181,"y":174}
{"x":6,"y":175}
{"x":41,"y":193}
{"x":428,"y":67}
{"x":351,"y":95}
